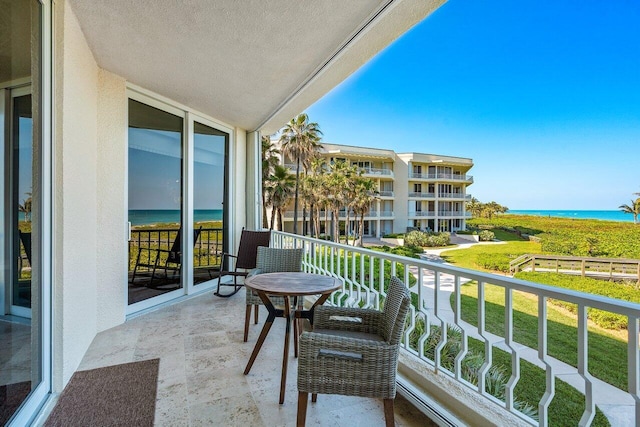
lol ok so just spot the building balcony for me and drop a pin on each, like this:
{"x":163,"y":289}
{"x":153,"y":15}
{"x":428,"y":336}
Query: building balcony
{"x":386,"y":214}
{"x":377,"y":172}
{"x":199,"y":341}
{"x":454,"y":196}
{"x":420,"y":195}
{"x":385,"y":194}
{"x":422,"y":214}
{"x":441,"y":177}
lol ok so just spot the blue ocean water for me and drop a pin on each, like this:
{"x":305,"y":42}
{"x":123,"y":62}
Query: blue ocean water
{"x":578,"y":214}
{"x":154,"y":216}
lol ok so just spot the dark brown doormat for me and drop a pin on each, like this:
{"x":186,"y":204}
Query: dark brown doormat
{"x":119,"y":395}
{"x":11,"y":396}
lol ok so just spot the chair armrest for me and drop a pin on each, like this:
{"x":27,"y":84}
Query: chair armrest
{"x":347,"y":319}
{"x":315,"y":346}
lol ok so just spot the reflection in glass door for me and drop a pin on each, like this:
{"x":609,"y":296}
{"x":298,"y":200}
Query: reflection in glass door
{"x":209,"y":184}
{"x":22,"y":294}
{"x":155,"y":200}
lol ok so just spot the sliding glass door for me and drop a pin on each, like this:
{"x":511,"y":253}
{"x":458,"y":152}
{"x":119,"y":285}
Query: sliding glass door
{"x":209,"y":184}
{"x":24,"y":211}
{"x":177,"y":180}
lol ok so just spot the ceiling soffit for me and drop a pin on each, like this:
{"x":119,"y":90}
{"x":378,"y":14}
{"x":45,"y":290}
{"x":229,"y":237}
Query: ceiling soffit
{"x":251,"y":63}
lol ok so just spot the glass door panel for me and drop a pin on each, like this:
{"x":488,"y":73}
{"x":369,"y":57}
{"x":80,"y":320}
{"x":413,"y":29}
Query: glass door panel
{"x":155,"y":202}
{"x":209,"y":193}
{"x":21,"y":278}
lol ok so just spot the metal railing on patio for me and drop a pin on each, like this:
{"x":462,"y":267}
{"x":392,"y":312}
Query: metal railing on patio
{"x":449,"y":323}
{"x":207,"y":248}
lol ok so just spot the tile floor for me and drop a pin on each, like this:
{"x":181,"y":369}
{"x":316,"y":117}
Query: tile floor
{"x":202,"y":358}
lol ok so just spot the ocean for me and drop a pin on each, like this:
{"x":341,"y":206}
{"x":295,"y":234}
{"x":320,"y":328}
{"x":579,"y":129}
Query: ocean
{"x":578,"y":214}
{"x":154,"y":216}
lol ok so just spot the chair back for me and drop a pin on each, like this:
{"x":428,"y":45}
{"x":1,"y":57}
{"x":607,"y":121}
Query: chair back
{"x":273,"y":260}
{"x":25,"y":238}
{"x":176,"y":247}
{"x":395,"y":311}
{"x":248,"y":248}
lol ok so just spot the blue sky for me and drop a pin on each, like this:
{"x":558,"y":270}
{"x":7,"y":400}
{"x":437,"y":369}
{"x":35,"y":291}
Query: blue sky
{"x":544,"y":96}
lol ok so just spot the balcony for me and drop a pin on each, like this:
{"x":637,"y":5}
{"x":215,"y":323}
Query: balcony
{"x":386,"y":214}
{"x":422,"y":214}
{"x":421,"y":195}
{"x":454,"y":196}
{"x":438,"y":293}
{"x":202,"y":357}
{"x":442,"y":177}
{"x":377,"y":172}
{"x":384,"y":194}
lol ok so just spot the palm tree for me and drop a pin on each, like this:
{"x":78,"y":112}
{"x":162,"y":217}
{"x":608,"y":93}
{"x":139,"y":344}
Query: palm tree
{"x":270,"y":158}
{"x":25,"y":208}
{"x":633,"y":209}
{"x":300,"y":140}
{"x":279,"y":190}
{"x":365,"y":194}
{"x":474,"y":206}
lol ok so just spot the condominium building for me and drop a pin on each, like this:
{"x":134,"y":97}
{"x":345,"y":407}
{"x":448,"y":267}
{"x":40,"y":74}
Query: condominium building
{"x":414,"y":190}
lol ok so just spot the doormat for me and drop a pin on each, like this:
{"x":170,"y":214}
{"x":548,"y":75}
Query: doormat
{"x":118,"y":395}
{"x":11,"y":396}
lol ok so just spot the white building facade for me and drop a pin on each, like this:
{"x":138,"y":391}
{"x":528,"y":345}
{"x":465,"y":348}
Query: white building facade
{"x":414,"y":190}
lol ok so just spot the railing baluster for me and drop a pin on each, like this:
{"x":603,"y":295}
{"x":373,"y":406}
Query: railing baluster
{"x":458,"y":321}
{"x":487,"y":344}
{"x":550,"y":390}
{"x":515,"y":359}
{"x":633,"y":360}
{"x":583,"y":366}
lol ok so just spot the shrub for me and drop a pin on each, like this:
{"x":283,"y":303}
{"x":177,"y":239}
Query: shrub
{"x":423,"y":239}
{"x":486,"y":236}
{"x":494,"y":261}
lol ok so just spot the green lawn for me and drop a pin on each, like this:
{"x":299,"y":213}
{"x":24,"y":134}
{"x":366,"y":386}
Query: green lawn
{"x":493,"y":257}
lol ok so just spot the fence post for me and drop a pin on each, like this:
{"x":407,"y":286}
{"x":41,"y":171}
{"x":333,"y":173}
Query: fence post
{"x":583,"y":262}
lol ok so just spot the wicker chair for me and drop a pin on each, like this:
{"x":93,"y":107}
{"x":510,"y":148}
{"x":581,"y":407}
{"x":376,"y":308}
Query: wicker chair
{"x":271,"y":260}
{"x":353,"y":352}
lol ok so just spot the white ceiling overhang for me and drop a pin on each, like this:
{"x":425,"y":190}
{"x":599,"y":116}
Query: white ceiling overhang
{"x":250,"y":63}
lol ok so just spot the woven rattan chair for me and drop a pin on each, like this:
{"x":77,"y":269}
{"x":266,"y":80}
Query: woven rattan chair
{"x":353,"y":352}
{"x":271,"y":260}
{"x":250,"y":241}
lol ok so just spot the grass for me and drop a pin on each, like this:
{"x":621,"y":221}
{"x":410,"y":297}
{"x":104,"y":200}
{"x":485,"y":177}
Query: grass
{"x":475,"y":257}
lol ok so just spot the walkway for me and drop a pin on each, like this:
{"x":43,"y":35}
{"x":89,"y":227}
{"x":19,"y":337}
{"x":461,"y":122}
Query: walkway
{"x":617,"y":405}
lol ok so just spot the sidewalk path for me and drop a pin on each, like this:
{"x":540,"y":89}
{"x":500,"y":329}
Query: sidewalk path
{"x":617,"y":405}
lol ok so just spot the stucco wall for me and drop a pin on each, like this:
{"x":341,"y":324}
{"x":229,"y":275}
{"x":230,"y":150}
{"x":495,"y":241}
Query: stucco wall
{"x":111,"y":199}
{"x":401,"y":193}
{"x":75,"y":208}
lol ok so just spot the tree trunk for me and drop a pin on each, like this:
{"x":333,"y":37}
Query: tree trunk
{"x":273,"y":218}
{"x":304,"y":220}
{"x":295,"y":200}
{"x":361,"y":229}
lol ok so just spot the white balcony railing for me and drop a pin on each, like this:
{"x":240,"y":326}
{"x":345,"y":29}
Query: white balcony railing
{"x":422,"y":213}
{"x":437,"y":294}
{"x":454,"y":196}
{"x":377,"y":172}
{"x":423,"y":195}
{"x":386,"y":213}
{"x":441,"y":176}
{"x":385,"y":193}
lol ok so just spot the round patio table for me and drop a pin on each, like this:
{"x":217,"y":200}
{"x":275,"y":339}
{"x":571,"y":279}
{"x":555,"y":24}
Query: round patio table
{"x":288,"y":285}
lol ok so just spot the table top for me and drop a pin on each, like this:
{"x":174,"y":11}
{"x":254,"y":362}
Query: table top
{"x":293,"y":284}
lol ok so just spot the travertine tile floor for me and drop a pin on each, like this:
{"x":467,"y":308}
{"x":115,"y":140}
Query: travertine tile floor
{"x":202,"y":359}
